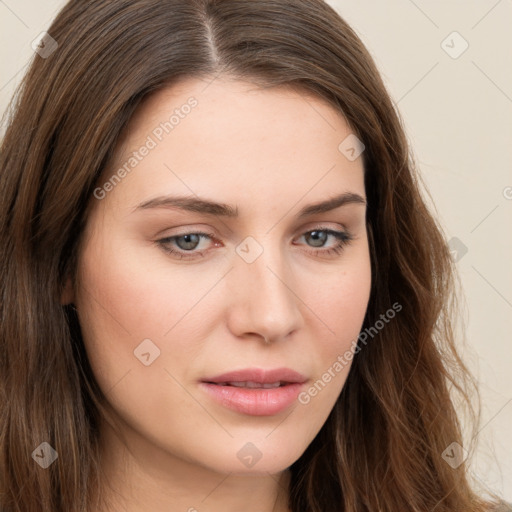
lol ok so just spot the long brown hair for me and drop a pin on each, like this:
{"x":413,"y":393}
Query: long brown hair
{"x":382,"y":447}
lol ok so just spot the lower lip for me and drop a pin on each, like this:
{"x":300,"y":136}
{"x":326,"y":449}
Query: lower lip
{"x":255,"y":402}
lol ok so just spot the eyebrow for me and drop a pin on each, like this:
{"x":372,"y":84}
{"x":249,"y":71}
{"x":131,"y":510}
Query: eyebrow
{"x":194,"y":204}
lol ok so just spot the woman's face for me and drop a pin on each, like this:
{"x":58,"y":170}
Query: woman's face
{"x":271,"y":284}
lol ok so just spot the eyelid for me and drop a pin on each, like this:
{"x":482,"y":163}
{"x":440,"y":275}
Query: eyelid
{"x":207,"y":230}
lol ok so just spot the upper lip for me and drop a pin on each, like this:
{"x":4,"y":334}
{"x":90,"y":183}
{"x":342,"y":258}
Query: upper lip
{"x":259,"y":375}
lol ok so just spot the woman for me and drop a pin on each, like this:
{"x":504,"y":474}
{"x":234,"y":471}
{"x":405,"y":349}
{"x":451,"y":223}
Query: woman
{"x":222,"y":289}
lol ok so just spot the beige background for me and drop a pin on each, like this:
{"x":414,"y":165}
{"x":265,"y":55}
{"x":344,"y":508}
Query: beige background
{"x":457,"y":112}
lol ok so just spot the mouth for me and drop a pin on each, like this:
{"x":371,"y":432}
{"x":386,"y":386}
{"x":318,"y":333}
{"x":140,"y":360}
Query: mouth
{"x":255,"y":392}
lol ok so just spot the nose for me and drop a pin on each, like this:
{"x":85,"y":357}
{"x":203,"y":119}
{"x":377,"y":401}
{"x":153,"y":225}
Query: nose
{"x":263,"y":302}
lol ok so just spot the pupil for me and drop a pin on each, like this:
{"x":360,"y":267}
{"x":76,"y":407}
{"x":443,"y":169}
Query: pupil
{"x":318,"y":240}
{"x":192,"y":239}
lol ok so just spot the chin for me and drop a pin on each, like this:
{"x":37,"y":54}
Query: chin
{"x":254,"y":454}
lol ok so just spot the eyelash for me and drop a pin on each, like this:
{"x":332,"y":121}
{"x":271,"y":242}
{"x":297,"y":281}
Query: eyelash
{"x":344,"y":238}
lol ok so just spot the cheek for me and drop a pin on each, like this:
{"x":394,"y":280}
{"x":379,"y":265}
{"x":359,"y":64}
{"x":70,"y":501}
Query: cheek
{"x":342,"y":298}
{"x":131,"y":293}
{"x":134,"y":291}
{"x":339,"y":309}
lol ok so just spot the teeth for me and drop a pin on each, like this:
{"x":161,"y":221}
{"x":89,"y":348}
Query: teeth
{"x":254,"y":385}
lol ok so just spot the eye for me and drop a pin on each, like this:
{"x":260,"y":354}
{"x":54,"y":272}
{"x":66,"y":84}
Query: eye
{"x":185,"y":245}
{"x":320,"y":235}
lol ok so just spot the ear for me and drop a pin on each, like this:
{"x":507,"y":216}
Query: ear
{"x":68,"y":294}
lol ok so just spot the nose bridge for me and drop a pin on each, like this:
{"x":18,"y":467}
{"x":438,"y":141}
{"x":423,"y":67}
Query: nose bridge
{"x":263,"y":301}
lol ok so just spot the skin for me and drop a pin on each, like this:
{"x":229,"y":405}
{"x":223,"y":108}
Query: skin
{"x":268,"y":152}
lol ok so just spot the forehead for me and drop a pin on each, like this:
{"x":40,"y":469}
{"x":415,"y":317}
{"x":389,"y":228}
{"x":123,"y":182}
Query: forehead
{"x":238,"y":142}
